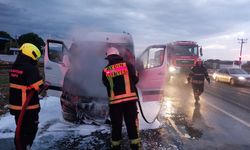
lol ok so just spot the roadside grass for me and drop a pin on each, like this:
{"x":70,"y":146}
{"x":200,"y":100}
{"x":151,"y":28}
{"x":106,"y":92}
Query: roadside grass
{"x":4,"y":90}
{"x":4,"y":87}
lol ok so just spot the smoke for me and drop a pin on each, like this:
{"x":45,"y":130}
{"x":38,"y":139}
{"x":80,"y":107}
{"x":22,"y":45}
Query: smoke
{"x":84,"y":77}
{"x":87,"y":60}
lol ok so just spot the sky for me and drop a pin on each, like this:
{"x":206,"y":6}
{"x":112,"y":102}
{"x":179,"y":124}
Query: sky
{"x":214,"y":24}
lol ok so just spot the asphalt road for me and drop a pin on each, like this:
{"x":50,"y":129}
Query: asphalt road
{"x":220,"y":121}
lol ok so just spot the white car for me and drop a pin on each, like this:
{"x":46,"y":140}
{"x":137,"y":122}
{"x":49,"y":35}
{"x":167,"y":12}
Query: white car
{"x":233,"y":76}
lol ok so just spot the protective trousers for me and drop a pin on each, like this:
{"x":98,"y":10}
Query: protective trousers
{"x":198,"y":90}
{"x":128,"y":111}
{"x":29,"y":128}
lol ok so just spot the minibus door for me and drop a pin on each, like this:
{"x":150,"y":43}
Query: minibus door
{"x":56,"y":63}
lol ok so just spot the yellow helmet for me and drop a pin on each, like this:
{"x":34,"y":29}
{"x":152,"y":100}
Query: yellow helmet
{"x":31,"y":51}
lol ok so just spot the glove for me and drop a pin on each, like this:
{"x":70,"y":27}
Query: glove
{"x":43,"y":90}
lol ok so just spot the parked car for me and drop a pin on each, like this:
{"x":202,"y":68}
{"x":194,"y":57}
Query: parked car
{"x":232,"y":76}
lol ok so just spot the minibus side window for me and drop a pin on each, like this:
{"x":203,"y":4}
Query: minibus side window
{"x":55,"y":52}
{"x":144,"y":60}
{"x":155,"y":57}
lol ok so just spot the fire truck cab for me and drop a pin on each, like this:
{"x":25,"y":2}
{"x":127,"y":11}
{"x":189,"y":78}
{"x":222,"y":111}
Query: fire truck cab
{"x":163,"y":62}
{"x":182,"y":56}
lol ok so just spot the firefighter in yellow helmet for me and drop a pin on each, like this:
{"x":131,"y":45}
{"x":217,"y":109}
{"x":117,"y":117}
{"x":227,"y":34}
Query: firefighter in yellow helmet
{"x":25,"y":79}
{"x":120,"y":78}
{"x":197,"y":76}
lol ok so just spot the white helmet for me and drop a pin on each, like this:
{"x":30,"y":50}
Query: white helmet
{"x":112,"y":51}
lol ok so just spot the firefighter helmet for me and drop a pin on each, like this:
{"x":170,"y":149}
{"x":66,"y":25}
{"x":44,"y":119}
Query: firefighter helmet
{"x":199,"y":60}
{"x":31,"y":51}
{"x":112,"y":51}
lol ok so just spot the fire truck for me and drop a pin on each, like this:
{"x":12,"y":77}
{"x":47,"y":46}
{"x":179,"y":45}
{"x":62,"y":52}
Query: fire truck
{"x":182,"y":56}
{"x":176,"y":58}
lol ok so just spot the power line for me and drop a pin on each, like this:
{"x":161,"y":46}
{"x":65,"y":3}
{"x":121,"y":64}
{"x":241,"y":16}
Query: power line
{"x":241,"y":41}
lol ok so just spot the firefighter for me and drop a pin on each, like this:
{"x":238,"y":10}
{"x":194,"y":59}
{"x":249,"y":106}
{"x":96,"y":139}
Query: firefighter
{"x":120,"y":79}
{"x":197,"y":76}
{"x":25,"y":79}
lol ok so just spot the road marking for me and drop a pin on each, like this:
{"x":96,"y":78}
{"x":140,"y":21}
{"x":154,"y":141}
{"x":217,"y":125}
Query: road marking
{"x":230,"y":115}
{"x":233,"y":101}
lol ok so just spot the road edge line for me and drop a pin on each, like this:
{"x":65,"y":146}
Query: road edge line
{"x":230,"y":115}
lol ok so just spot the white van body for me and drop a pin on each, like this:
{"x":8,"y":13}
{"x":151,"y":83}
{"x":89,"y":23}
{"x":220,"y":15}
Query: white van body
{"x":152,"y":65}
{"x":152,"y":70}
{"x":77,"y":71}
{"x":56,"y":67}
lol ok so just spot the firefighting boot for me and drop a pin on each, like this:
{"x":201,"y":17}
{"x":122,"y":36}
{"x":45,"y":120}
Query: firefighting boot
{"x":197,"y":98}
{"x":28,"y":147}
{"x":135,"y":144}
{"x":107,"y":121}
{"x":117,"y":147}
{"x":135,"y":147}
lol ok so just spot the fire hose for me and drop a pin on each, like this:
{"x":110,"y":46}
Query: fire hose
{"x":21,"y":116}
{"x":143,"y":116}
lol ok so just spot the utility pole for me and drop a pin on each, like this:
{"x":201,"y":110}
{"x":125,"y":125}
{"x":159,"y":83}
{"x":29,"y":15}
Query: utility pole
{"x":241,"y":41}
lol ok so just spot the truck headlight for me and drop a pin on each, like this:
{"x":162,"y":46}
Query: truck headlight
{"x":171,"y":69}
{"x":241,"y":78}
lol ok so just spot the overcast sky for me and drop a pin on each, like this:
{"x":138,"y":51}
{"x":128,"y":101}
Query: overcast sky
{"x":214,"y":24}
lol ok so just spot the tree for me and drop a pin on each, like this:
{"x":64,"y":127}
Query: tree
{"x":4,"y":34}
{"x":31,"y":38}
{"x":246,"y":66}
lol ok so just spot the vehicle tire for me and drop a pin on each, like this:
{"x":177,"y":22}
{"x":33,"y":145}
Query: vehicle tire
{"x":232,"y":82}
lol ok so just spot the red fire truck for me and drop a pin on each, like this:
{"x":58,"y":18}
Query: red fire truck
{"x":182,"y":55}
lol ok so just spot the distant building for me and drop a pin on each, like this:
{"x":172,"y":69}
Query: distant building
{"x":14,"y":50}
{"x":218,"y":64}
{"x":212,"y":63}
{"x":246,"y":66}
{"x":226,"y":64}
{"x":4,"y":45}
{"x":4,"y":39}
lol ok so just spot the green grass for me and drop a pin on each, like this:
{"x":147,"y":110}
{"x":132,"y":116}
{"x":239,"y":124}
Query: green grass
{"x":4,"y":89}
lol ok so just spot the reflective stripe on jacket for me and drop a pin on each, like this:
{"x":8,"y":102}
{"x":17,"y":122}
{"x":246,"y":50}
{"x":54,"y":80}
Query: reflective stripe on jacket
{"x":120,"y":78}
{"x":24,"y":78}
{"x":24,"y":89}
{"x":198,"y":74}
{"x":198,"y":81}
